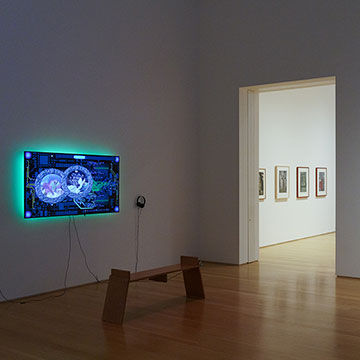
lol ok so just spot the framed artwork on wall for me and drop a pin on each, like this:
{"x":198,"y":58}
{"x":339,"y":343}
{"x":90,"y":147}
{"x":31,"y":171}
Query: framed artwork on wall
{"x":262,"y":184}
{"x":321,"y":181}
{"x":281,"y":182}
{"x":302,"y":182}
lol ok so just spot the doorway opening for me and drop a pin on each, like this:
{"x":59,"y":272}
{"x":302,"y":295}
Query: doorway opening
{"x":280,"y":136}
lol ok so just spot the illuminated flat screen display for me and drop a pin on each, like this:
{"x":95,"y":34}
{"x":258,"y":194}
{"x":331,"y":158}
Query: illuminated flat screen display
{"x":57,"y":184}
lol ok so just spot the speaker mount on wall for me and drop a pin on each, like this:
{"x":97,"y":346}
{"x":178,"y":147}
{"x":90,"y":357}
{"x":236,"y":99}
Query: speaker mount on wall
{"x":140,"y":201}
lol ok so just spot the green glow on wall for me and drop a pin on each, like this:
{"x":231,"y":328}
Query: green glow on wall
{"x":17,"y":175}
{"x":54,"y":145}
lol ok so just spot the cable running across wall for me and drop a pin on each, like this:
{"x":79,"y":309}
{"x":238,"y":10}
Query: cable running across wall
{"x":83,"y":252}
{"x":137,"y":236}
{"x":66,"y":270}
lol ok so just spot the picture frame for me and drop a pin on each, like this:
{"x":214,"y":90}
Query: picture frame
{"x":282,"y":182}
{"x":302,"y":182}
{"x":262,"y":184}
{"x":321,"y":181}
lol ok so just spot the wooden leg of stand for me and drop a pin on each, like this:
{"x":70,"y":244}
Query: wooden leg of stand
{"x":115,"y":301}
{"x":192,"y":278}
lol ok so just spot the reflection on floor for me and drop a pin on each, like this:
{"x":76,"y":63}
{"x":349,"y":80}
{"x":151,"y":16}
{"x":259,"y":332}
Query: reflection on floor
{"x":290,"y":305}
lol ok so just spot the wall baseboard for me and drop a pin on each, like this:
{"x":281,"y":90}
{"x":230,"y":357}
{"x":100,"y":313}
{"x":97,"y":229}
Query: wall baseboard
{"x":52,"y":292}
{"x":304,"y":238}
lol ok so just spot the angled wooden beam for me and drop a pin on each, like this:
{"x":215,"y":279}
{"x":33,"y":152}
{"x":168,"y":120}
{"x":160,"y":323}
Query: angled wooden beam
{"x":115,"y":301}
{"x":192,"y":277}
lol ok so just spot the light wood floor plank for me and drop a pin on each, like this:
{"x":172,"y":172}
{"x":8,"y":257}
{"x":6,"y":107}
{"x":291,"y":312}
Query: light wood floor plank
{"x":289,"y":305}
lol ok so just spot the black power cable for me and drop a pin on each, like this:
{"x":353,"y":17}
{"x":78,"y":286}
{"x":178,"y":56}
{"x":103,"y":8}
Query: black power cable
{"x":137,"y":235}
{"x":6,"y":299}
{"x":66,"y":271}
{"x":65,"y":277}
{"x":83,"y":252}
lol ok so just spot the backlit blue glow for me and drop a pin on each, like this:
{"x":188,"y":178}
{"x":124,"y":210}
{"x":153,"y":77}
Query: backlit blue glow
{"x":117,"y":159}
{"x":27,"y":155}
{"x":72,"y":144}
{"x":62,"y":184}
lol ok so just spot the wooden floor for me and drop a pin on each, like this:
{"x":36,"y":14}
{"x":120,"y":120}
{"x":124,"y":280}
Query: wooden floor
{"x":289,"y":305}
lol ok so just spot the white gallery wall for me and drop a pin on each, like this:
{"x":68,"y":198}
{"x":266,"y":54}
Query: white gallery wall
{"x":297,"y":128}
{"x":246,"y":43}
{"x":114,"y":77}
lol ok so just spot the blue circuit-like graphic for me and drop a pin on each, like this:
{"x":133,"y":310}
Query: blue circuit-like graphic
{"x":70,"y":184}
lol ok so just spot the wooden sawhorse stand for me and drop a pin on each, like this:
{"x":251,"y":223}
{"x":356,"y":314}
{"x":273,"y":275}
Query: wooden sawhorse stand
{"x":115,"y":301}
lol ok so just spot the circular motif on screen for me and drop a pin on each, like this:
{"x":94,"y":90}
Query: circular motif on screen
{"x":48,"y":186}
{"x":77,"y":181}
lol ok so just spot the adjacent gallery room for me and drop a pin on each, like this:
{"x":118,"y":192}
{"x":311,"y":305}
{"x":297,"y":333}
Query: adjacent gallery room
{"x":297,"y":184}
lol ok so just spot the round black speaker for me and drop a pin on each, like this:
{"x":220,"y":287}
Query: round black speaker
{"x":140,"y":201}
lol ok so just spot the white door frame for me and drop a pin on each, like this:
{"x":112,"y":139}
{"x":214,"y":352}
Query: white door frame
{"x":249,"y":161}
